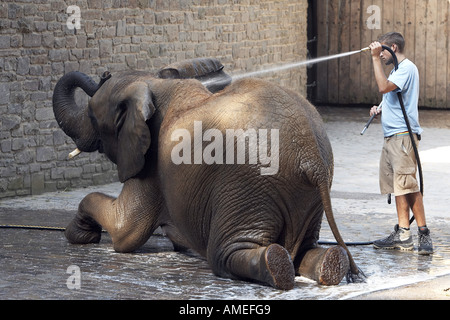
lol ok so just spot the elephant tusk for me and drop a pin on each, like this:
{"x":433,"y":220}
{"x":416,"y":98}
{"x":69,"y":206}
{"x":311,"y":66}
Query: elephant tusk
{"x":74,"y":153}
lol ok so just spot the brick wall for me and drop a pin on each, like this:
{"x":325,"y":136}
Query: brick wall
{"x":37,"y":48}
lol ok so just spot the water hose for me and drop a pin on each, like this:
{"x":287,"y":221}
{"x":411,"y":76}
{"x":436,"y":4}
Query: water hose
{"x":20,"y":226}
{"x":62,"y":229}
{"x":48,"y":228}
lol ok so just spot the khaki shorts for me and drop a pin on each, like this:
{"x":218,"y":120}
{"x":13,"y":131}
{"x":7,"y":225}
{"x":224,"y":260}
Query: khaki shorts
{"x":398,"y":166}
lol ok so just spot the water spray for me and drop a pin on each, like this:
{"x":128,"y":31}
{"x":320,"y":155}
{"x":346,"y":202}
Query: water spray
{"x":296,"y":64}
{"x":288,"y":66}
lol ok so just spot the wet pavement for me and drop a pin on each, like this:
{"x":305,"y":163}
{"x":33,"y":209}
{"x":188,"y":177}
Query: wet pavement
{"x":37,"y":264}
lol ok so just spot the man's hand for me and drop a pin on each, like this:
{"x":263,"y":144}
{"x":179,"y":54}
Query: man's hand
{"x":375,"y":111}
{"x":384,"y":85}
{"x":376,"y":49}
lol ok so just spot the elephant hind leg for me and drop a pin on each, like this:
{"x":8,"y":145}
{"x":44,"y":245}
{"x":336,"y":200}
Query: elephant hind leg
{"x":271,"y":265}
{"x":279,"y":266}
{"x":327,"y":266}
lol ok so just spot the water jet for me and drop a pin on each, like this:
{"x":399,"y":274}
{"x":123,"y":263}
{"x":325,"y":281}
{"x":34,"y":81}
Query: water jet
{"x":288,"y":66}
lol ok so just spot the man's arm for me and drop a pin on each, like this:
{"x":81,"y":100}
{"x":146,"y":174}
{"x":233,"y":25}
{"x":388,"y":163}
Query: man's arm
{"x":384,"y":85}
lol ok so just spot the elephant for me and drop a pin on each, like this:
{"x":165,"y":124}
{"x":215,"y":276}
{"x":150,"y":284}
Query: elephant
{"x":195,"y":162}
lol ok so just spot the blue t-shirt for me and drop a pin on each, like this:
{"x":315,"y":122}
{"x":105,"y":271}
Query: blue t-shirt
{"x":406,"y":78}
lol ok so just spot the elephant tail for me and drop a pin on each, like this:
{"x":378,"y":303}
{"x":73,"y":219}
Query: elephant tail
{"x":355,"y":274}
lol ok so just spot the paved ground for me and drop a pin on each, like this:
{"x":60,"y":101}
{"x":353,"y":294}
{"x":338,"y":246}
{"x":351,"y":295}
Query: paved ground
{"x":42,"y":265}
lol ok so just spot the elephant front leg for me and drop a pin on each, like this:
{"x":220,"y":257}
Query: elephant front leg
{"x":130,"y":219}
{"x":84,"y":228}
{"x":327,"y":266}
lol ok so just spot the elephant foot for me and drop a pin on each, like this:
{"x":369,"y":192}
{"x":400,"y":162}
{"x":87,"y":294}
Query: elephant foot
{"x":279,"y":267}
{"x":326,"y":266}
{"x":83,"y":231}
{"x":270,"y":265}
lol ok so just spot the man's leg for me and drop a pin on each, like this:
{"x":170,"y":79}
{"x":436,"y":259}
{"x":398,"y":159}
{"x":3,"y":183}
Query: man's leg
{"x":403,"y":179}
{"x":400,"y":238}
{"x":402,"y":204}
{"x":415,"y":202}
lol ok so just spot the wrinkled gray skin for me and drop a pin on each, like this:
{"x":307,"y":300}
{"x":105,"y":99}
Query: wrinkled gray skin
{"x":248,"y":226}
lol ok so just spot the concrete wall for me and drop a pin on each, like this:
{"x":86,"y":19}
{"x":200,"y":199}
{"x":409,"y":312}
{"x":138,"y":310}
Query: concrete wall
{"x":37,"y":47}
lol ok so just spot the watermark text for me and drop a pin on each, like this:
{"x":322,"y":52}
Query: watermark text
{"x":74,"y":280}
{"x":374,"y":21}
{"x":215,"y":152}
{"x":74,"y":20}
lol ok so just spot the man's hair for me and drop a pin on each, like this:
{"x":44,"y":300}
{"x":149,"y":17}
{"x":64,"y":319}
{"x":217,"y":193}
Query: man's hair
{"x":391,"y":38}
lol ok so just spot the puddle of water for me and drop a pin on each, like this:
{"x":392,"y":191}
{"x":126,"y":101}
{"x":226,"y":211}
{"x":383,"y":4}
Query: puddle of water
{"x":36,"y":269}
{"x":177,"y":276}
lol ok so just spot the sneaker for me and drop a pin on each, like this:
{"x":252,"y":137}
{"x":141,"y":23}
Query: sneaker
{"x":399,"y":239}
{"x":425,"y":243}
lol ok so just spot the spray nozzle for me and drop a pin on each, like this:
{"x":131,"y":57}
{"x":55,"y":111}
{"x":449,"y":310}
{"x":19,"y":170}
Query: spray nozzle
{"x":394,"y":57}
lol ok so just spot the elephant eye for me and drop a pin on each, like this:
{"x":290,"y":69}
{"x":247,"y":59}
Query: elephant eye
{"x":92,"y":118}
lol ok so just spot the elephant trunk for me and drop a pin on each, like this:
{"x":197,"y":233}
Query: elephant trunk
{"x":73,"y":119}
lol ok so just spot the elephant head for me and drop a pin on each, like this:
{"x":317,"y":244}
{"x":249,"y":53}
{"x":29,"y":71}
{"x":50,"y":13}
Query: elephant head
{"x":113,"y":123}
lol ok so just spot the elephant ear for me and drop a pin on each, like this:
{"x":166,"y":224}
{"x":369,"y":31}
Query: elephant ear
{"x":208,"y":71}
{"x":132,"y":131}
{"x":169,"y":73}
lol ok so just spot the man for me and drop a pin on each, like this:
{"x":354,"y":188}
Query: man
{"x":398,"y":163}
